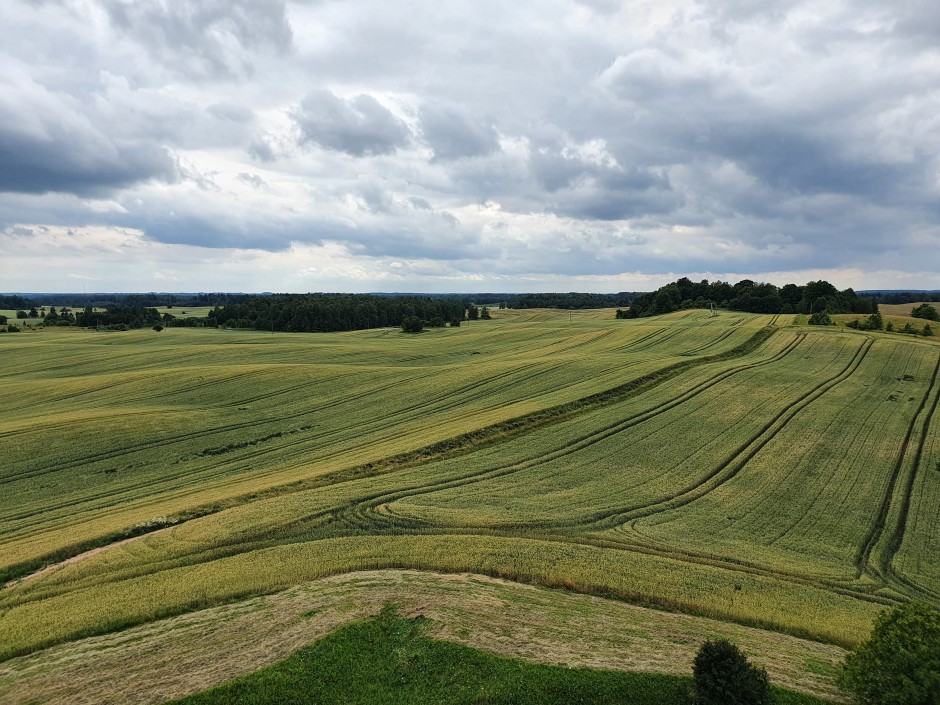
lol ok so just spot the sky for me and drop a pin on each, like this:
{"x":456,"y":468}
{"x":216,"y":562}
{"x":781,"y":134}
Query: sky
{"x":592,"y":145}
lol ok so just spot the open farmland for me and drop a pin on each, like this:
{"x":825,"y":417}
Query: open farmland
{"x":736,"y":467}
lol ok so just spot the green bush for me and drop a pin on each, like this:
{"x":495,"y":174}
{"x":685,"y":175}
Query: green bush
{"x":412,"y":324}
{"x":926,"y":311}
{"x":722,"y":675}
{"x":900,"y":662}
{"x":821,"y":318}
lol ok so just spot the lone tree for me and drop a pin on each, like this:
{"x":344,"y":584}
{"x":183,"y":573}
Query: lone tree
{"x":412,"y":324}
{"x":722,"y":675}
{"x":900,"y":662}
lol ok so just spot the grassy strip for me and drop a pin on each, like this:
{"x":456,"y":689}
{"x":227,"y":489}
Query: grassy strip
{"x":441,"y":450}
{"x":389,"y":659}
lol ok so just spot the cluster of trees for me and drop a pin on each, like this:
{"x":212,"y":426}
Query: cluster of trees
{"x":63,"y":317}
{"x":925,"y":311}
{"x":750,"y":296}
{"x":118,"y":317}
{"x":873,"y":322}
{"x":315,"y":313}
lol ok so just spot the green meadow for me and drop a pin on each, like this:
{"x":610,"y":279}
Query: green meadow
{"x":742,"y":469}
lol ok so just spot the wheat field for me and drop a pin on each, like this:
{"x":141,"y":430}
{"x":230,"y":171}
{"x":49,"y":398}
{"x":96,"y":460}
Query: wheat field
{"x":738,"y":467}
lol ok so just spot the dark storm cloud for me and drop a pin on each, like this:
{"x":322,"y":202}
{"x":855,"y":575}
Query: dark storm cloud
{"x":359,"y":126}
{"x":76,"y":158}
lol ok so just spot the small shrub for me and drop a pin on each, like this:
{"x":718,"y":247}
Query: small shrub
{"x":927,"y":331}
{"x":455,"y":323}
{"x":722,"y":675}
{"x":158,"y":328}
{"x":889,"y":327}
{"x":821,"y":318}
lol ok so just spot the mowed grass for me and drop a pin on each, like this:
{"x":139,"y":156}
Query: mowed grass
{"x":733,"y":467}
{"x":183,"y":655}
{"x":389,"y":659}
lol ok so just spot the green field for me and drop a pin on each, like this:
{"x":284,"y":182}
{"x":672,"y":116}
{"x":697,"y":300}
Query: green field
{"x":741,"y":468}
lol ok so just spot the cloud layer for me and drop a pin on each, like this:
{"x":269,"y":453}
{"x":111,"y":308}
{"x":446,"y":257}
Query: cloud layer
{"x":470,"y":146}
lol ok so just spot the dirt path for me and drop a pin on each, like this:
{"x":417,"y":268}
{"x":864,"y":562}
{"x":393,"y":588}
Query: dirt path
{"x":80,"y":557}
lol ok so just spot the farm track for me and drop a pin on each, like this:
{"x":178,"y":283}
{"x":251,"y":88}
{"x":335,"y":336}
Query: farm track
{"x":224,"y":467}
{"x":451,"y":401}
{"x":883,"y":567}
{"x":639,"y":340}
{"x":129,"y":491}
{"x":571,"y":447}
{"x":739,"y":457}
{"x":702,"y":348}
{"x":654,"y":379}
{"x":798,"y":522}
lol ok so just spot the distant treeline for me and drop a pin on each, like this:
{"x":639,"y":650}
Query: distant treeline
{"x":104,"y":300}
{"x":749,"y":296}
{"x":572,"y":299}
{"x":15,"y":302}
{"x":901,"y":297}
{"x":316,"y":313}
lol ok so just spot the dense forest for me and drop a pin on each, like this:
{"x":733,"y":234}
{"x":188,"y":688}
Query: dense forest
{"x":749,"y":296}
{"x":314,"y":313}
